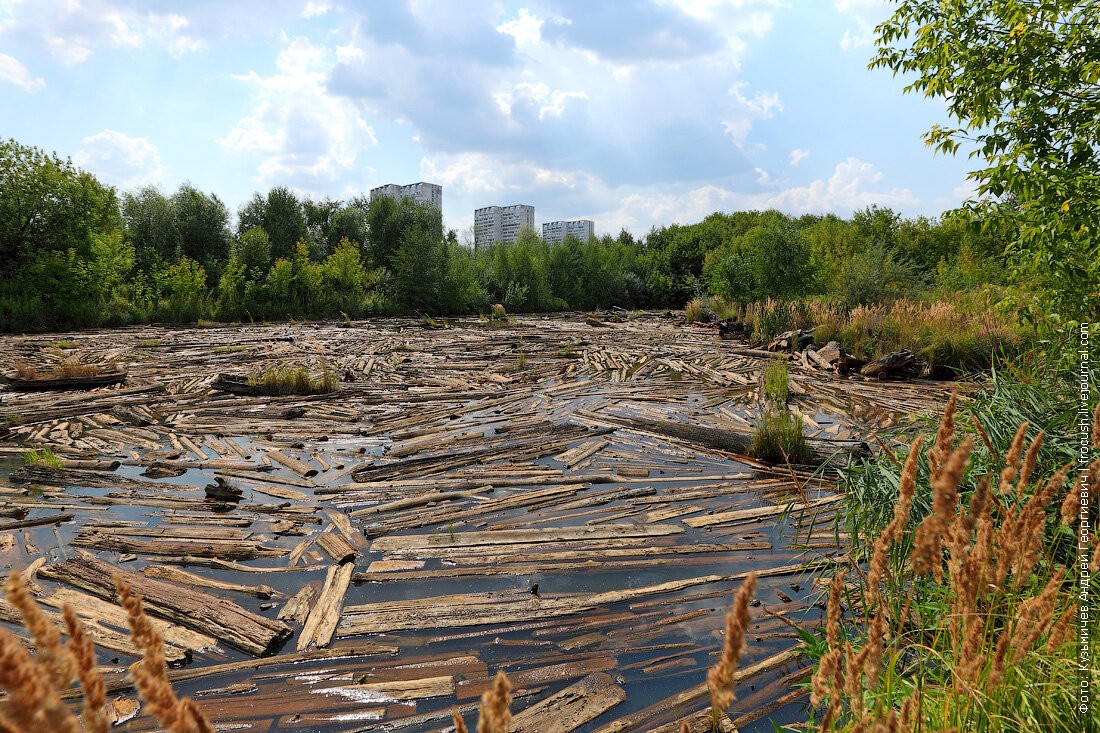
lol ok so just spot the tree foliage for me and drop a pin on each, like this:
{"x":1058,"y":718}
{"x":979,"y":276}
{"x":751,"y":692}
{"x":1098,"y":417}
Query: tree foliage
{"x":1020,"y":83}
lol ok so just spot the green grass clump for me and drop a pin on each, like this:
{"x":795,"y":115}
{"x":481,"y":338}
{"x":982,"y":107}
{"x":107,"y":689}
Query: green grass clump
{"x":63,"y":345}
{"x":778,"y":439}
{"x":777,"y":380}
{"x":42,"y":457}
{"x":149,"y":343}
{"x":294,"y":380}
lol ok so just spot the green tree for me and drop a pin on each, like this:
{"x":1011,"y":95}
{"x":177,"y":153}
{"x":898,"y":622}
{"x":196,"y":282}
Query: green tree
{"x":281,"y":215}
{"x":1019,"y":79}
{"x":254,"y":249}
{"x":203,"y":224}
{"x":47,"y":205}
{"x":149,"y":221}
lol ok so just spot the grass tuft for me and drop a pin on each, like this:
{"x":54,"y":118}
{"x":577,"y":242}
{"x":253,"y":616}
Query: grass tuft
{"x":284,"y":380}
{"x":42,"y":457}
{"x":778,"y":438}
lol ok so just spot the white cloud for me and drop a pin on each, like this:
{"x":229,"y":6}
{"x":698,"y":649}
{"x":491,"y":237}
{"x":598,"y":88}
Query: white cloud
{"x":121,"y":160}
{"x":316,"y":9}
{"x":526,"y":28}
{"x":539,"y":96}
{"x":11,"y":70}
{"x":744,"y":111}
{"x":852,"y":186}
{"x":297,"y":130}
{"x":865,"y":15}
{"x":798,"y":155}
{"x":73,"y":30}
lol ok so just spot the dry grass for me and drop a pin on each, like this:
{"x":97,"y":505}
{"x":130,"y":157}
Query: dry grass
{"x":69,"y":368}
{"x":36,"y":685}
{"x":963,"y":333}
{"x":284,"y":380}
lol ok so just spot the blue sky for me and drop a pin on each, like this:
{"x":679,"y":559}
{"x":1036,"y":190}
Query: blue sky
{"x":630,"y":113}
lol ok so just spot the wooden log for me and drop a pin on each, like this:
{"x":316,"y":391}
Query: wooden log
{"x":208,"y":614}
{"x":572,"y":707}
{"x":228,"y":549}
{"x":297,"y":608}
{"x":88,"y":464}
{"x":175,"y":575}
{"x":337,"y":547}
{"x":292,"y":463}
{"x":38,"y":521}
{"x":830,"y":453}
{"x":321,"y":624}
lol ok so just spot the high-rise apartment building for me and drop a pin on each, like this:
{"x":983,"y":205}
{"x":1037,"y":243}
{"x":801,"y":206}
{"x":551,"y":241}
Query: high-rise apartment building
{"x":494,"y":224}
{"x":425,"y":194}
{"x":555,"y":232}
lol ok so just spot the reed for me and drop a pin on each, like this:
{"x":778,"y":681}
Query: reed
{"x":966,"y":611}
{"x":36,"y":686}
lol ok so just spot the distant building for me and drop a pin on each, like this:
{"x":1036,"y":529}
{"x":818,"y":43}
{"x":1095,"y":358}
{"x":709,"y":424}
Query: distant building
{"x":555,"y":232}
{"x":494,"y":224}
{"x":425,"y":194}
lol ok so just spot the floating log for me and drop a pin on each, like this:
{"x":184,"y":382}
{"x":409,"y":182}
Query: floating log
{"x":62,"y":383}
{"x":203,"y":612}
{"x":337,"y":547}
{"x":898,"y":364}
{"x":325,"y":615}
{"x":37,"y":521}
{"x":572,"y":707}
{"x":831,"y":453}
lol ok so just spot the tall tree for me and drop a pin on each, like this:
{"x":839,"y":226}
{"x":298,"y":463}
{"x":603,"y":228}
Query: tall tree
{"x":47,"y":205}
{"x":203,"y":224}
{"x":281,"y":215}
{"x":149,"y":222}
{"x":1019,"y":79}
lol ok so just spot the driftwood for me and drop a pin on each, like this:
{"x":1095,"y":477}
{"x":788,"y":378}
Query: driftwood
{"x":203,"y":612}
{"x":899,"y":364}
{"x":325,"y":615}
{"x":831,"y":453}
{"x":572,"y":707}
{"x":61,"y":383}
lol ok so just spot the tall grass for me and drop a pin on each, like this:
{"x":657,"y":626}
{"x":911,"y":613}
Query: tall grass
{"x":963,"y":333}
{"x":287,"y":380}
{"x":964,"y":604}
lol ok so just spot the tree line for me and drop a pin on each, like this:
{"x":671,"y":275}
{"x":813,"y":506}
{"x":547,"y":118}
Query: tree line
{"x":75,"y":252}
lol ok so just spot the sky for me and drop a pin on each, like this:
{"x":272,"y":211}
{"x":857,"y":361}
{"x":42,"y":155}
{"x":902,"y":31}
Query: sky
{"x":632,"y":113}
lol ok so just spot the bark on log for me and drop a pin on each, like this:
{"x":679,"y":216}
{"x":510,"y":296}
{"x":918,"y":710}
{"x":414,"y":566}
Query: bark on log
{"x":202,"y":612}
{"x":824,"y":452}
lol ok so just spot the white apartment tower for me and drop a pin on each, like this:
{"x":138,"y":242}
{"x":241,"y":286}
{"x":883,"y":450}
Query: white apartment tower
{"x":555,"y":232}
{"x":425,"y":194}
{"x":494,"y":224}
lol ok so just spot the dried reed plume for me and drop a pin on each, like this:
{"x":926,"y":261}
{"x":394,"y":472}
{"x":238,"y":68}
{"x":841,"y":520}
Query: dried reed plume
{"x":720,"y":677}
{"x":1012,"y":459}
{"x":95,"y":696}
{"x":54,"y":658}
{"x":150,"y":674}
{"x":928,"y":542}
{"x":495,"y":717}
{"x":945,"y":436}
{"x":460,"y":724}
{"x":33,"y":703}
